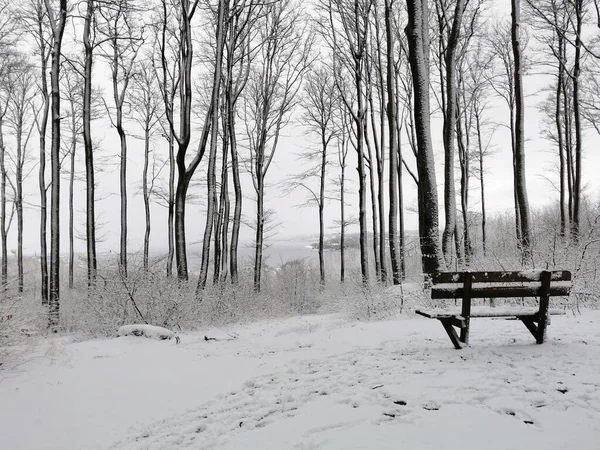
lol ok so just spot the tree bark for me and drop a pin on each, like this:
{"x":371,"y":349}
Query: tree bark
{"x":449,"y":129}
{"x":579,"y":12}
{"x":223,"y":11}
{"x":519,"y":156}
{"x":58,"y":26}
{"x":392,"y":121}
{"x":90,"y":183}
{"x":42,"y":126}
{"x":3,"y":230}
{"x":417,"y":33}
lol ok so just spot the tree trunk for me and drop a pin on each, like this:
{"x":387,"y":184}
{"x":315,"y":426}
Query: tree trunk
{"x":374,"y":214}
{"x":559,"y":136}
{"x":42,"y":126}
{"x":449,"y":129}
{"x":321,"y":209}
{"x":237,"y":189}
{"x":579,"y":11}
{"x":3,"y":230}
{"x":482,"y":184}
{"x":57,"y":31}
{"x":519,"y":156}
{"x":417,"y":33}
{"x":465,"y":171}
{"x":171,"y":205}
{"x":90,"y":216}
{"x":180,"y":241}
{"x":260,"y":223}
{"x":392,"y":121}
{"x":71,"y":204}
{"x":223,"y":11}
{"x":146,"y":195}
{"x":400,"y":190}
{"x":362,"y":176}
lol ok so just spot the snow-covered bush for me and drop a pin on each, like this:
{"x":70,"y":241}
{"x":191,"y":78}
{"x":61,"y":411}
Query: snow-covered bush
{"x":149,"y":331}
{"x":19,"y":326}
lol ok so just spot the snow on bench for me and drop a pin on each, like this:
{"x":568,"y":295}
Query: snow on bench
{"x":150,"y":331}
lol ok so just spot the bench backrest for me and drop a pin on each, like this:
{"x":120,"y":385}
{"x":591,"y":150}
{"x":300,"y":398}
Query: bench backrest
{"x":527,"y":283}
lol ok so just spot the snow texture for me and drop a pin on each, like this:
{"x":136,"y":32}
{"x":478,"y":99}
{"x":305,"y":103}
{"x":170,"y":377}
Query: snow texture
{"x":150,"y":331}
{"x":318,"y":382}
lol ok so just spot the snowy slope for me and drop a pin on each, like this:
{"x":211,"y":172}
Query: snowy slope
{"x":316,"y":382}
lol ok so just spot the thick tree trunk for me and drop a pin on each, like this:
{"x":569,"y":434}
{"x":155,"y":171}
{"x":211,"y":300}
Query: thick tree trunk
{"x":180,"y":241}
{"x":417,"y":33}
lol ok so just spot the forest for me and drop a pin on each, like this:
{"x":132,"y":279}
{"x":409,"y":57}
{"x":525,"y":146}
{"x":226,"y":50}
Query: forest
{"x":202,"y":97}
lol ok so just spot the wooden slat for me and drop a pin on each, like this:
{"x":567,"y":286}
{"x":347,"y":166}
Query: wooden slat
{"x":486,"y":311}
{"x":449,"y":290}
{"x":497,"y":276}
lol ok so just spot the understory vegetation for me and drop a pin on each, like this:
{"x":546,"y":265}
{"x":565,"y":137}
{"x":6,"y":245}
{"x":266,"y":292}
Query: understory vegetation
{"x":291,"y":289}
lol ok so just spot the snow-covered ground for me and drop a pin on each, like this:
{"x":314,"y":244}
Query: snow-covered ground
{"x":318,"y":382}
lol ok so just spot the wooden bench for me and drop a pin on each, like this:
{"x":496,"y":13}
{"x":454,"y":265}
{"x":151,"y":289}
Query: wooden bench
{"x":469,"y":285}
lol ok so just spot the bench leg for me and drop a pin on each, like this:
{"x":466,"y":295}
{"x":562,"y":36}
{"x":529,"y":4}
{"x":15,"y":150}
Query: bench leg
{"x":452,"y":333}
{"x":531,"y":326}
{"x":464,"y":331}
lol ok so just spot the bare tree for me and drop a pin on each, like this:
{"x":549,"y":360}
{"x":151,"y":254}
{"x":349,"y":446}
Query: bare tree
{"x":239,"y":51}
{"x":20,"y":119}
{"x":5,"y":93}
{"x":519,"y":148}
{"x":418,"y":45}
{"x":89,"y":45}
{"x":57,"y":15}
{"x":394,"y":147}
{"x":320,"y":104}
{"x":33,"y":18}
{"x":345,"y":28}
{"x":73,"y":94}
{"x":146,"y":101}
{"x":124,"y":40}
{"x":270,"y":97}
{"x":221,"y":13}
{"x":177,"y":39}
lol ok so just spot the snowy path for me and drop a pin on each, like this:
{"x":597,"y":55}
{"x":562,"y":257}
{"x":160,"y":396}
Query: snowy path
{"x":319,"y":383}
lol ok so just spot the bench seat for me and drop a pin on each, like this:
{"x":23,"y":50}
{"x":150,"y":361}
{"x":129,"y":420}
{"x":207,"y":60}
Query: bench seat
{"x":486,"y":311}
